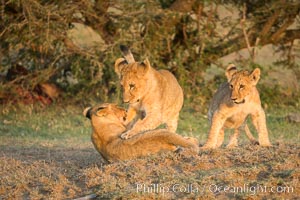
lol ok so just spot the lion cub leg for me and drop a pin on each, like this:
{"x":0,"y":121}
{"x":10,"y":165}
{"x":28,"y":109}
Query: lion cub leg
{"x":259,"y":122}
{"x":142,"y":124}
{"x":172,"y":124}
{"x":250,"y":136}
{"x":233,"y":142}
{"x":220,"y":138}
{"x":217,"y":124}
{"x":131,"y":117}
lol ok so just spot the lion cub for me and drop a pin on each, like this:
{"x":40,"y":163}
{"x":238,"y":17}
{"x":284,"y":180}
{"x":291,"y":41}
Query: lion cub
{"x":155,"y":96}
{"x":231,"y":105}
{"x":109,"y":122}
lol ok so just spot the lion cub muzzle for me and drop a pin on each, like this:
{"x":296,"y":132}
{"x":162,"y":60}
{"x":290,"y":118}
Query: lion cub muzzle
{"x":235,"y":100}
{"x":131,"y":102}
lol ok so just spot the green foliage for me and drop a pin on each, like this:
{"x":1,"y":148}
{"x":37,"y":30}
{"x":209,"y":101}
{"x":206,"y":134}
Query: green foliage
{"x":175,"y":35}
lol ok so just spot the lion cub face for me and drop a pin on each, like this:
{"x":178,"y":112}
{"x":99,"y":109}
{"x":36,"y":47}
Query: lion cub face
{"x":241,"y":83}
{"x":133,"y":79}
{"x":106,"y":112}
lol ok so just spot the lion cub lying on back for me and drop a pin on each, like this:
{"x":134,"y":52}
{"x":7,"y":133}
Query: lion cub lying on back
{"x":231,"y":105}
{"x":108,"y":123}
{"x":154,"y":95}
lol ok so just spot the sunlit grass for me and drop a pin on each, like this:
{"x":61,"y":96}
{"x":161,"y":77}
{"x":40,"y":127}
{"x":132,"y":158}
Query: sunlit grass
{"x":65,"y":122}
{"x":35,"y":124}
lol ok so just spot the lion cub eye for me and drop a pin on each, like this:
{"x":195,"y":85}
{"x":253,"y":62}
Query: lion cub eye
{"x":242,"y":87}
{"x":131,"y":86}
{"x":100,"y":108}
{"x":231,"y":86}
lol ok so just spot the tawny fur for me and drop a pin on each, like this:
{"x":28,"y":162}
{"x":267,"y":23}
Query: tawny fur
{"x":109,"y":122}
{"x":155,"y":96}
{"x":232,"y":104}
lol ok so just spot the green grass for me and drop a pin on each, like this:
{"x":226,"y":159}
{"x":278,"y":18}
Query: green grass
{"x":192,"y":123}
{"x":65,"y":122}
{"x":55,"y":123}
{"x":279,"y":127}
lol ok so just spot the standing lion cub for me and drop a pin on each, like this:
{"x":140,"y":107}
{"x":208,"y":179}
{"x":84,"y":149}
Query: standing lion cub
{"x":155,"y":96}
{"x":231,"y":105}
{"x":109,"y":122}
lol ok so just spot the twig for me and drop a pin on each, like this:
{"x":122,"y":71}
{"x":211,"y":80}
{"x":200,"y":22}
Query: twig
{"x":254,"y":48}
{"x":48,"y":28}
{"x":289,"y":56}
{"x":3,"y":31}
{"x":243,"y":21}
{"x":2,"y":9}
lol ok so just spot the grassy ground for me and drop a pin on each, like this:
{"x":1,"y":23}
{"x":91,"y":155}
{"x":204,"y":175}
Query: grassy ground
{"x":47,"y":153}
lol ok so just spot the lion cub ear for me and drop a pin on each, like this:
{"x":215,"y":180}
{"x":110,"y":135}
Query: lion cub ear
{"x":120,"y":64}
{"x":230,"y":70}
{"x":127,"y":54}
{"x":87,"y":112}
{"x":255,"y":76}
{"x":146,"y":65}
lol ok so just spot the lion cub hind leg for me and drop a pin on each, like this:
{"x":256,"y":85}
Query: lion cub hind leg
{"x":160,"y":140}
{"x":250,"y":136}
{"x":184,"y":142}
{"x":259,"y":121}
{"x":193,"y":140}
{"x":233,"y":142}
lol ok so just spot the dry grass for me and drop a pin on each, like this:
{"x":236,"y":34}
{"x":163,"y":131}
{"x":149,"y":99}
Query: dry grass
{"x":197,"y":177}
{"x":42,"y":163}
{"x":61,"y":173}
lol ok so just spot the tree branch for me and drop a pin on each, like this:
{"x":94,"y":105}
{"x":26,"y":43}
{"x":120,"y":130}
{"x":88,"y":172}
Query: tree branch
{"x":238,"y":43}
{"x":243,"y":21}
{"x":280,"y":32}
{"x":267,"y":27}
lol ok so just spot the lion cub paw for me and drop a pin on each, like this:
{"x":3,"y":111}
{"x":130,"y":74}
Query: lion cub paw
{"x":254,"y":142}
{"x":265,"y":144}
{"x":207,"y":147}
{"x":193,"y":140}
